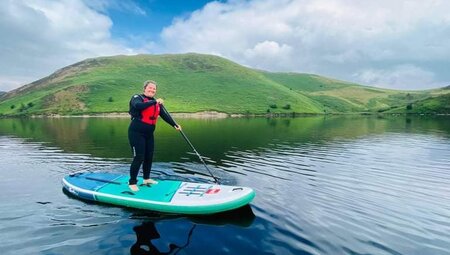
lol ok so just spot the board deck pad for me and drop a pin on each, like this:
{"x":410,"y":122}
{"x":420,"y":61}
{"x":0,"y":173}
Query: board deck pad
{"x":169,"y":196}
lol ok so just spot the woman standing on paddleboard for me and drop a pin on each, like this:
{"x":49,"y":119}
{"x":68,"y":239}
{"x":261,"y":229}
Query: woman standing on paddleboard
{"x":144,"y":111}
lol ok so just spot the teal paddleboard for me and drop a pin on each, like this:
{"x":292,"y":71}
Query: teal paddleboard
{"x":166,"y":196}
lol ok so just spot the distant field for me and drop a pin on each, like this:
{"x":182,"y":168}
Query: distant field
{"x":437,"y":105}
{"x":344,"y":97}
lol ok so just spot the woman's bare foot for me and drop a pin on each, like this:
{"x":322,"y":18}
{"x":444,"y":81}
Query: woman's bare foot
{"x":149,"y":181}
{"x":134,"y":187}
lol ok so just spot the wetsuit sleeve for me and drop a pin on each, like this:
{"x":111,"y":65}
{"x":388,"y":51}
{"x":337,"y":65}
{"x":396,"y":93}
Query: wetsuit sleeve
{"x":137,"y":103}
{"x":167,"y":118}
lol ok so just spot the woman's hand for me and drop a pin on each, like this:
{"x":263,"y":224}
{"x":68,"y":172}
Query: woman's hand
{"x":160,"y":101}
{"x":178,"y":127}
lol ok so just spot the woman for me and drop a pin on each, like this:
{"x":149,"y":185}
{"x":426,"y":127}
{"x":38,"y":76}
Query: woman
{"x":144,"y":111}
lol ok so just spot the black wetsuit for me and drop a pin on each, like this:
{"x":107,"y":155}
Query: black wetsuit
{"x":140,"y":136}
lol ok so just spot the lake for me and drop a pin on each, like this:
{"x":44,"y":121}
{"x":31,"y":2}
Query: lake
{"x":324,"y":185}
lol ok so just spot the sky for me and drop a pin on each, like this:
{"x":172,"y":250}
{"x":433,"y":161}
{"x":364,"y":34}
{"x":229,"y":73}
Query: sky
{"x":401,"y":44}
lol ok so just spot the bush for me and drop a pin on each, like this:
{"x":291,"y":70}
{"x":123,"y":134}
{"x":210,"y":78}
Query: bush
{"x":287,"y":107}
{"x":13,"y":106}
{"x":110,"y":99}
{"x":22,"y":107}
{"x":409,"y":107}
{"x":273,"y":106}
{"x":30,"y":104}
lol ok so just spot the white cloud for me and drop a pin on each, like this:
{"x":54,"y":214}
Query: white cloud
{"x":8,"y":83}
{"x":405,"y":77}
{"x":397,"y":44}
{"x":338,"y":38}
{"x":41,"y":36}
{"x":267,"y":54}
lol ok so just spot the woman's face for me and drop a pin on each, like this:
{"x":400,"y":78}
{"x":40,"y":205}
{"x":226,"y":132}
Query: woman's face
{"x":150,"y":90}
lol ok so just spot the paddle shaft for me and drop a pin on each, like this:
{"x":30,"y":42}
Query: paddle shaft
{"x":198,"y":155}
{"x":192,"y":146}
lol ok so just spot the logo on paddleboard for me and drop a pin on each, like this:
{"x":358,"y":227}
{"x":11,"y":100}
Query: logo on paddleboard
{"x":212,"y":191}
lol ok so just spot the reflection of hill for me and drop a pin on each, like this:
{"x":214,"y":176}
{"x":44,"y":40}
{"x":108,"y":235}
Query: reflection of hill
{"x":107,"y":137}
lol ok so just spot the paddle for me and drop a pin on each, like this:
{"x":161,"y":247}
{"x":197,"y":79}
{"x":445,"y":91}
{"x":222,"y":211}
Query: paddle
{"x":216,"y":180}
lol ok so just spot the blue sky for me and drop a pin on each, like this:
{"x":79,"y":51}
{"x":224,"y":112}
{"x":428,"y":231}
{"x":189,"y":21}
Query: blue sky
{"x":402,"y":44}
{"x":133,"y":19}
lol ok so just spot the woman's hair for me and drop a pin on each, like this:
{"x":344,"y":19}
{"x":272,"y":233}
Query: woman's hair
{"x":146,"y":83}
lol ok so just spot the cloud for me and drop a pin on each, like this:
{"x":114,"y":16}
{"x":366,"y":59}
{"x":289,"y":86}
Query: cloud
{"x":345,"y":39}
{"x":123,"y":6}
{"x":10,"y":82}
{"x":267,"y":54}
{"x":40,"y":36}
{"x":401,"y":77}
{"x":396,"y":44}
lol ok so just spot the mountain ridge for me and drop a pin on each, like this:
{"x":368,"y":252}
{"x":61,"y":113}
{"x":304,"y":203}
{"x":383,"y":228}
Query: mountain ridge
{"x":194,"y":82}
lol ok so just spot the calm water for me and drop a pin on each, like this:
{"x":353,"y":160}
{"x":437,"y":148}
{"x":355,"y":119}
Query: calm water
{"x":334,"y":185}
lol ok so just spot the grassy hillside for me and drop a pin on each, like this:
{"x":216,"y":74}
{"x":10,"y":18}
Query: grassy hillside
{"x":438,"y":104}
{"x":188,"y":82}
{"x":196,"y":82}
{"x":340,"y":96}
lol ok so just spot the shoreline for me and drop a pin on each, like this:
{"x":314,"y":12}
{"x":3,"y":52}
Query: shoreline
{"x":180,"y":115}
{"x":197,"y":115}
{"x":219,"y":115}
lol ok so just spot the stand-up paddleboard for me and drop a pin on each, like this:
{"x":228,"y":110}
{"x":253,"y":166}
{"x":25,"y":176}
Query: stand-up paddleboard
{"x":166,"y":196}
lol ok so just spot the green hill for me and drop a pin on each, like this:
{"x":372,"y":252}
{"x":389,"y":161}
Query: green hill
{"x":343,"y":97}
{"x":188,"y":82}
{"x":437,"y":105}
{"x":195,"y":83}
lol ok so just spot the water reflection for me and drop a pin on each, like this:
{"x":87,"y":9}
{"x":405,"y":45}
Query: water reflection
{"x":107,"y":138}
{"x":145,"y":233}
{"x":339,"y":185}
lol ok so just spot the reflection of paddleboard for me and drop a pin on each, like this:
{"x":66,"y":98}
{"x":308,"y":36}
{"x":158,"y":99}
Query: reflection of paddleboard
{"x":166,"y":196}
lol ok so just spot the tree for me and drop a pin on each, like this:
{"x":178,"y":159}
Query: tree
{"x":22,"y":107}
{"x":409,"y":97}
{"x":110,"y":99}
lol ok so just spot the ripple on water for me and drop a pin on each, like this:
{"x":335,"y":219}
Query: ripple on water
{"x":379,"y":190}
{"x":381,"y":194}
